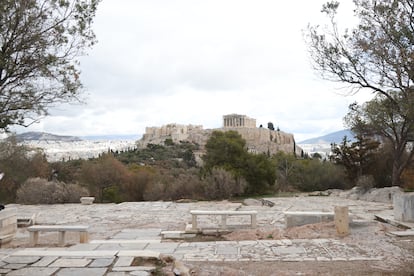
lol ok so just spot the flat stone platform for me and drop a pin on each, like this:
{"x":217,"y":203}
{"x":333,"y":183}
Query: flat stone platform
{"x":113,"y":256}
{"x":121,"y":232}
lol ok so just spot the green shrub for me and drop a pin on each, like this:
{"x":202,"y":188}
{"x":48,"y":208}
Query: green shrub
{"x":40,"y":191}
{"x":221,"y":184}
{"x":154,"y":192}
{"x":175,"y":184}
{"x":112,"y":194}
{"x":314,"y":175}
{"x":18,"y":163}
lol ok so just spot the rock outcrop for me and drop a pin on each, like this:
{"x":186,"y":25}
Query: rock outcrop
{"x":258,"y":140}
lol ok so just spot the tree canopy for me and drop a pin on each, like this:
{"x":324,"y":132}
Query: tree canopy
{"x":227,"y":150}
{"x":40,"y":41}
{"x":378,"y":54}
{"x":356,"y":157}
{"x":393,"y":121}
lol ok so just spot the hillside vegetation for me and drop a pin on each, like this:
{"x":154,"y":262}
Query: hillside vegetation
{"x":170,"y":172}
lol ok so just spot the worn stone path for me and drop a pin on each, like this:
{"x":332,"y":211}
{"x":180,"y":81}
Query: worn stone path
{"x":115,"y":256}
{"x":121,"y":232}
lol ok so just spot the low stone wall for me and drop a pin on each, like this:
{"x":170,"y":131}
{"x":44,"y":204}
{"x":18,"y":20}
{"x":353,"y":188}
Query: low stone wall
{"x":301,"y":218}
{"x":384,"y":195}
{"x":8,"y":225}
{"x":404,"y":207}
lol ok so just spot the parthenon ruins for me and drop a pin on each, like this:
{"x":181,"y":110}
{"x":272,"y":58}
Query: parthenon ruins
{"x":236,"y":120}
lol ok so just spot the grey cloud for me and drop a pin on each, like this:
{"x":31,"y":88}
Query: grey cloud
{"x":186,"y":61}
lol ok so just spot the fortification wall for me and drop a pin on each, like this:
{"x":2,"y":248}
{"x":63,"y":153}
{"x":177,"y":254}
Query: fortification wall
{"x":176,"y":132}
{"x":263,"y":140}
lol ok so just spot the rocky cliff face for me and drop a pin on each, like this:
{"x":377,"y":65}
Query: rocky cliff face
{"x":175,"y":132}
{"x":258,"y":140}
{"x":263,"y":140}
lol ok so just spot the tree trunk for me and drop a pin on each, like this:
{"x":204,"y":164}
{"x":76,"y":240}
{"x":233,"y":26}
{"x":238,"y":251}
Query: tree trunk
{"x":396,"y":173}
{"x":400,"y":163}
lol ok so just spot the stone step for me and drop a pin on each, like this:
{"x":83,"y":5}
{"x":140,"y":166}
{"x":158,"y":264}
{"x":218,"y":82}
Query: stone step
{"x":65,"y":253}
{"x":392,"y":221}
{"x":301,"y":218}
{"x":41,"y":252}
{"x":406,"y":233}
{"x":6,"y":238}
{"x":298,"y":218}
{"x":110,"y":241}
{"x":177,"y":235}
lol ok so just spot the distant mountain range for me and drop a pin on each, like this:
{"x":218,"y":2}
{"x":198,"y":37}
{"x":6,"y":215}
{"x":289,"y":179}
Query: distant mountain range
{"x":113,"y":137}
{"x":334,"y":137}
{"x":43,"y":136}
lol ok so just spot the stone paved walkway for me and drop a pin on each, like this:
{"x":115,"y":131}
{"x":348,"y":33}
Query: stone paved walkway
{"x":115,"y":256}
{"x":121,"y":232}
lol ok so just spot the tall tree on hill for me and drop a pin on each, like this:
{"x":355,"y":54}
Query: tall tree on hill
{"x":382,"y":117}
{"x":40,"y":41}
{"x":356,"y":157}
{"x":225,"y":150}
{"x":103,"y":175}
{"x":378,"y":55}
{"x":228,"y":151}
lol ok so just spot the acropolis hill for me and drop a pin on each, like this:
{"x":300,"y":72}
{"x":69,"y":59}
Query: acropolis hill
{"x":258,"y":139}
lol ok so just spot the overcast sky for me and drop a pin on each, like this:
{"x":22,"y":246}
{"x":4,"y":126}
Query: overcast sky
{"x":193,"y":61}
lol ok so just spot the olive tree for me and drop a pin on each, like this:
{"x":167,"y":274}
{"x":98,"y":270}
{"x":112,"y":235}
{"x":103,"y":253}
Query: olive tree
{"x":357,"y":157}
{"x":40,"y":42}
{"x":394,"y":124}
{"x":227,"y":150}
{"x":378,"y":55}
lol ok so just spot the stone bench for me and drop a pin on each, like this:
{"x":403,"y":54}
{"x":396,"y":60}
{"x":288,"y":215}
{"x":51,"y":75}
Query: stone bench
{"x":87,"y":200}
{"x":8,"y":225}
{"x":301,"y":218}
{"x":224,"y":215}
{"x":62,"y":229}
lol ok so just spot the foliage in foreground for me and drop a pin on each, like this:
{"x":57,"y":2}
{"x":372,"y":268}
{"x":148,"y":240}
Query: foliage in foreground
{"x":389,"y":120}
{"x":41,"y":191}
{"x":307,"y":174}
{"x":227,"y":150}
{"x":364,"y":158}
{"x":18,"y":163}
{"x":135,"y":179}
{"x":40,"y":42}
{"x":375,"y":55}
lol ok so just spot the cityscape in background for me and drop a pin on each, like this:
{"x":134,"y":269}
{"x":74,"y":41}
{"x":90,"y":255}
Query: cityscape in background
{"x":63,"y":148}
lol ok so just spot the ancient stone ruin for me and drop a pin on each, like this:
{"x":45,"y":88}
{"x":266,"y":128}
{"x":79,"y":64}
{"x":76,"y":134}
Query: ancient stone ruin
{"x":258,"y":139}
